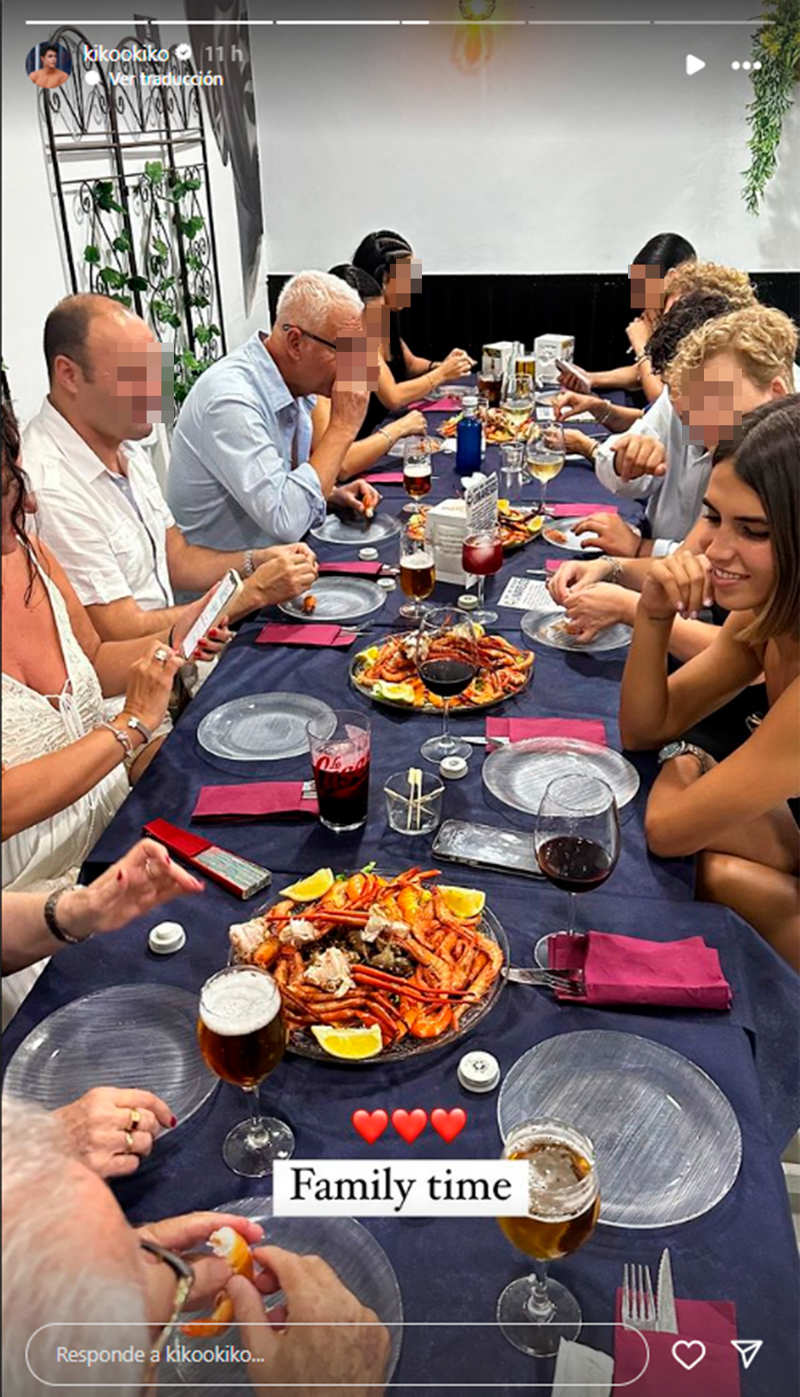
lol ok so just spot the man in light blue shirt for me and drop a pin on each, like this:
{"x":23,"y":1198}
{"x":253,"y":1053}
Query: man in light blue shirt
{"x":243,"y":471}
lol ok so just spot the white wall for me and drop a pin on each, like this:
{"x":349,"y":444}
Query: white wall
{"x":34,"y":277}
{"x":565,"y":151}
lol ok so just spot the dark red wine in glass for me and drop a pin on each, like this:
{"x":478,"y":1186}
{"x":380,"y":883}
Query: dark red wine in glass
{"x":342,"y":791}
{"x":576,"y":839}
{"x":482,"y":555}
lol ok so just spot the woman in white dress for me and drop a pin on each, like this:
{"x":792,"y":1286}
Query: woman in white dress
{"x":66,"y":770}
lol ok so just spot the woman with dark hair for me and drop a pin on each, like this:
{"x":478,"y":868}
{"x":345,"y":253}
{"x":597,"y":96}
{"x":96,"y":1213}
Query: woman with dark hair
{"x":48,"y":74}
{"x":735,"y":814}
{"x":388,"y":259}
{"x":378,"y":439}
{"x":650,"y":273}
{"x":66,"y":769}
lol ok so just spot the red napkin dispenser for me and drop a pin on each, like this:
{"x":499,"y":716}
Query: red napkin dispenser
{"x":239,"y":876}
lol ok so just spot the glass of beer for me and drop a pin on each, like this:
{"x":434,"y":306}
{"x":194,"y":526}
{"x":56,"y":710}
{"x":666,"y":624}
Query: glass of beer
{"x":489,"y":386}
{"x":417,"y":471}
{"x":534,"y":1312}
{"x":544,"y":454}
{"x":242,"y":1038}
{"x":417,"y":570}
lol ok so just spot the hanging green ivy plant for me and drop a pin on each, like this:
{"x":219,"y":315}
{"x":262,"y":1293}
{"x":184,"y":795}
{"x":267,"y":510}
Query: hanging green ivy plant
{"x":776,"y":50}
{"x":161,"y":283}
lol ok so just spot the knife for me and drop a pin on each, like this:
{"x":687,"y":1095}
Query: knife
{"x":665,"y":1305}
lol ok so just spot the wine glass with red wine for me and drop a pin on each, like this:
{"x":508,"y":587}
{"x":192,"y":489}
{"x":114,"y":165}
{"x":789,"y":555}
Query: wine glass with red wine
{"x":447,"y":662}
{"x":576,"y":840}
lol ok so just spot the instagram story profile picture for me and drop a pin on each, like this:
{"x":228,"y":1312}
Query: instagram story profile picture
{"x":49,"y":64}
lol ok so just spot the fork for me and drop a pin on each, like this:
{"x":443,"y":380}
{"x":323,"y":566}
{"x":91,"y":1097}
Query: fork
{"x":638,"y":1300}
{"x":553,"y":979}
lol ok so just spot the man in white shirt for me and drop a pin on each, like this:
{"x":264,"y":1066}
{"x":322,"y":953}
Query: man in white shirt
{"x":99,"y":505}
{"x":244,"y":469}
{"x":722,"y":370}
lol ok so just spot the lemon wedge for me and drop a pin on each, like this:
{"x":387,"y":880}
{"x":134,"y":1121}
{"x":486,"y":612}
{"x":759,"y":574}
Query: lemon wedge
{"x":370,"y":655}
{"x":463,"y":902}
{"x":310,"y":888}
{"x":352,"y":1043}
{"x":401,"y":693}
{"x":503,"y":506}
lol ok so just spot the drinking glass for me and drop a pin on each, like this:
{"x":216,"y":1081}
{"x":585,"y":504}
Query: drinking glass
{"x":544,"y":454}
{"x":576,"y":839}
{"x":417,"y":571}
{"x":535,"y":1312}
{"x":447,"y":662}
{"x":417,"y":472}
{"x":482,"y":555}
{"x":489,"y":386}
{"x":242,"y":1038}
{"x":340,"y":752}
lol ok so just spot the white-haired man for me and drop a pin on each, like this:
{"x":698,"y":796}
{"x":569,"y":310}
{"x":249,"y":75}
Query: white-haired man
{"x":80,"y":1281}
{"x":244,"y":471}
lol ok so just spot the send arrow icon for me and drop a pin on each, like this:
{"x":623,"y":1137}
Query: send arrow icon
{"x":747,"y":1350}
{"x":693,"y":65}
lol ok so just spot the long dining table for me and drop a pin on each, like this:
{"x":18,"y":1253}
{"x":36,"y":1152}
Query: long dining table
{"x":451,"y":1270}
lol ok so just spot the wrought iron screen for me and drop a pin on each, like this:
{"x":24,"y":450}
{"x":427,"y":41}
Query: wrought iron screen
{"x":129,"y":171}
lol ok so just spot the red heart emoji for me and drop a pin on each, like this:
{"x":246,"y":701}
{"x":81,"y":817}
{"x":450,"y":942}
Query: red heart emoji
{"x":370,"y":1124}
{"x":448,"y":1124}
{"x":409,"y":1124}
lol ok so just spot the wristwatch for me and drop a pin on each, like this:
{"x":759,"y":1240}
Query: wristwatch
{"x":680,"y":749}
{"x":53,"y":925}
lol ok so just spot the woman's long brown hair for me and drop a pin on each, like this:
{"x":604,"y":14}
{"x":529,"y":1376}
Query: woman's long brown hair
{"x":14,"y":480}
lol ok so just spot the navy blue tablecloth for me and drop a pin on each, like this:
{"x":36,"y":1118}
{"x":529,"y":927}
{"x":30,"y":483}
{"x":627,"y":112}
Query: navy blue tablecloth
{"x":452,"y":1270}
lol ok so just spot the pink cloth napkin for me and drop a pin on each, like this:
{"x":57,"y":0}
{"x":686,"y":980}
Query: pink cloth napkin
{"x":436,"y":405}
{"x":517,"y":729}
{"x":552,"y":564}
{"x":570,"y":511}
{"x":361,"y":569}
{"x":383,"y":477}
{"x":625,"y":970}
{"x":254,"y":800}
{"x":304,"y":633}
{"x":712,"y":1322}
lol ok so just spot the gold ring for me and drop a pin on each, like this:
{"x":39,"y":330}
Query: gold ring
{"x":148,"y":868}
{"x":135,"y":1118}
{"x":129,"y":1142}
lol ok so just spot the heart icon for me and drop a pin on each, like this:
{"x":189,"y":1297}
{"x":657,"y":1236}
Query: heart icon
{"x":448,"y":1124}
{"x":370,"y":1124}
{"x":409,"y":1124}
{"x":687,"y":1347}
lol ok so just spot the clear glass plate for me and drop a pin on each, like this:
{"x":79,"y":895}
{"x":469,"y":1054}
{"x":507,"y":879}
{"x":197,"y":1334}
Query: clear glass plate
{"x":572,"y":542}
{"x":548,"y":630}
{"x":355,"y":534}
{"x":518,"y":773}
{"x":338,"y":599}
{"x":667,"y":1140}
{"x":349,"y":1249}
{"x":260,"y":727}
{"x":125,"y":1036}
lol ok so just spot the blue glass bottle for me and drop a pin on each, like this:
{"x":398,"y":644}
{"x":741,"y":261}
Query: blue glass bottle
{"x":468,"y":438}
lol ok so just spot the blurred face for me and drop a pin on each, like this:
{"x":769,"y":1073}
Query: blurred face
{"x":50,"y":59}
{"x":402,"y":280}
{"x":740,"y":546}
{"x":718,"y":396}
{"x":647,"y":287}
{"x":349,"y":359}
{"x":121,"y":395}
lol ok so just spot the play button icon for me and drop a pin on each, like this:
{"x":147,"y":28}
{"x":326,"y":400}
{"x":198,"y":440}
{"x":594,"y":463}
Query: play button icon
{"x":693,"y":65}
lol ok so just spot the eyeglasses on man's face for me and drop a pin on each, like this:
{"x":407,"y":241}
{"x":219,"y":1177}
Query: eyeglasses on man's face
{"x":327,"y":343}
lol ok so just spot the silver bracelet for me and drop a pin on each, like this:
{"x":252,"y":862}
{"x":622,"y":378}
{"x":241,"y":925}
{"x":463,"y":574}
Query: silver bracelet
{"x":615,"y":571}
{"x":53,"y":925}
{"x":609,"y":407}
{"x":122,"y":738}
{"x":385,"y":434}
{"x":248,"y":566}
